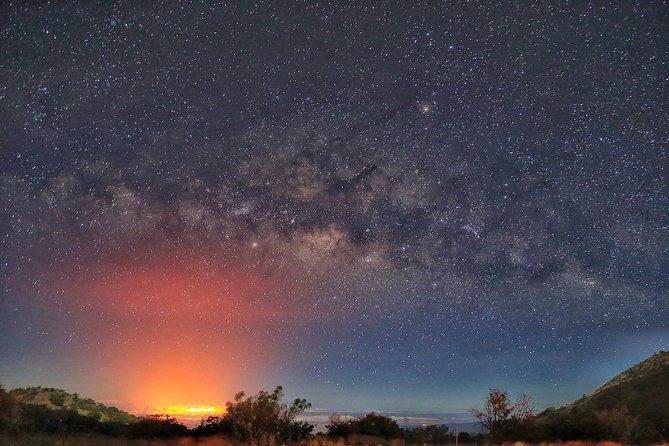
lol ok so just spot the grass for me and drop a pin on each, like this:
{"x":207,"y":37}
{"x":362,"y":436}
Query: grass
{"x":101,"y":440}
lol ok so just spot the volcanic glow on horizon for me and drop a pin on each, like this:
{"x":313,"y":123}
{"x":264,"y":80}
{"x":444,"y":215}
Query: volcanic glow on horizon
{"x":180,"y":410}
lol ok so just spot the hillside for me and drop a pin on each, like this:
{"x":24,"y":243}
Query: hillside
{"x":634,"y":401}
{"x":643,"y":389}
{"x":656,"y":365}
{"x":60,"y":399}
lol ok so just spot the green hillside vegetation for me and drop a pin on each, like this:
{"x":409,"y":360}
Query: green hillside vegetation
{"x":59,"y":399}
{"x":631,"y":407}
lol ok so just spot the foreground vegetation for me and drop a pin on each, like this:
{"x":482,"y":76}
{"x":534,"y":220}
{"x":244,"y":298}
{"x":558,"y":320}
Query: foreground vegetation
{"x":630,"y":409}
{"x":264,"y":420}
{"x":583,"y":420}
{"x":261,"y":419}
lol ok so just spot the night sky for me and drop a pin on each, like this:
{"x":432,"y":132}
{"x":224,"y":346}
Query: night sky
{"x":393,"y":207}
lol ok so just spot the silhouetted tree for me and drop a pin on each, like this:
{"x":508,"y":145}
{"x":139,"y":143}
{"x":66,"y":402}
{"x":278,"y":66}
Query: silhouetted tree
{"x":505,"y":420}
{"x":495,"y":412}
{"x":337,"y":426}
{"x":370,"y":424}
{"x":522,"y":425}
{"x":263,"y":417}
{"x":524,"y":409}
{"x":213,"y":425}
{"x":378,"y":425}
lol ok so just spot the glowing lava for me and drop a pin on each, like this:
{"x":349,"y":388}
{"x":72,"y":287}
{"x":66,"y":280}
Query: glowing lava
{"x":199,"y":411}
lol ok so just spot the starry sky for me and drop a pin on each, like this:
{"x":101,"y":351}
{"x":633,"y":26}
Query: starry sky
{"x":389,"y":206}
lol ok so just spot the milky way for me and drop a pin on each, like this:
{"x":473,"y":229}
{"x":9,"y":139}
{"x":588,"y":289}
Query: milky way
{"x":392,"y":208}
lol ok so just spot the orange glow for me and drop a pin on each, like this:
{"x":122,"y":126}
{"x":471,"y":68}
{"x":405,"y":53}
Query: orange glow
{"x":177,"y":336}
{"x":179,"y":410}
{"x":164,"y":385}
{"x":159,"y":290}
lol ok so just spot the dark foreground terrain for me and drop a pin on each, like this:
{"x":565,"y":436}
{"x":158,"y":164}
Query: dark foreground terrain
{"x":631,"y":408}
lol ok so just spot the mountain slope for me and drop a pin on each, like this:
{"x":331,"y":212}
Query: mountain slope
{"x":60,"y":399}
{"x":643,"y":389}
{"x":633,"y":403}
{"x":658,"y":364}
